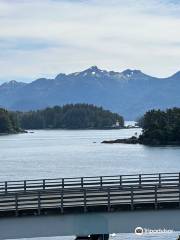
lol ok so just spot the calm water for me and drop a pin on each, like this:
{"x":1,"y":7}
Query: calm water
{"x":65,"y":153}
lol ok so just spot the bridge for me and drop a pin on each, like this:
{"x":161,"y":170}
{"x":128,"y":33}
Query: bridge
{"x":89,"y":205}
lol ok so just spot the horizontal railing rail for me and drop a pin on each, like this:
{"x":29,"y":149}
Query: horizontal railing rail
{"x":86,"y":182}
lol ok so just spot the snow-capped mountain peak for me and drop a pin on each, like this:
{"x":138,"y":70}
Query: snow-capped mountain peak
{"x":93,"y":71}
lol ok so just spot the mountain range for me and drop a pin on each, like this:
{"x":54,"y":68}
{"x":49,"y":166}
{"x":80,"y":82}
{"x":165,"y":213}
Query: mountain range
{"x":130,"y":93}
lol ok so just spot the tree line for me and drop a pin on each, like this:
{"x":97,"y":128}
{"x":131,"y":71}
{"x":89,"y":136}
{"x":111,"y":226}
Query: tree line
{"x":70,"y":116}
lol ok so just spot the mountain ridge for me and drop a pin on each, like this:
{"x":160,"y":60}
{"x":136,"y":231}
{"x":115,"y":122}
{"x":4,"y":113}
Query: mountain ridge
{"x":129,"y":93}
{"x":127,"y":72}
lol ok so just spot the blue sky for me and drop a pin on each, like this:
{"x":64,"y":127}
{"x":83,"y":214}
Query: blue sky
{"x":41,"y":38}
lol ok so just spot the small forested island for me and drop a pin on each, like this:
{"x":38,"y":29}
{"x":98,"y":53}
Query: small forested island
{"x":70,"y":116}
{"x":158,"y":128}
{"x":8,"y":122}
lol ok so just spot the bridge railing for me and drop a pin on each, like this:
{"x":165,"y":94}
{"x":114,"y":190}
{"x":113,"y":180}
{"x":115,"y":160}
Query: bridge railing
{"x":87,"y":182}
{"x":125,"y":198}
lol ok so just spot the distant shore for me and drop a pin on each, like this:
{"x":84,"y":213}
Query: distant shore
{"x":105,"y":128}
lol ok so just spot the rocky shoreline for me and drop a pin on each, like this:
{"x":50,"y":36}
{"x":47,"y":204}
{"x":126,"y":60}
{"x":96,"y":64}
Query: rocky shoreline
{"x":135,"y":140}
{"x":132,"y":140}
{"x":13,"y":132}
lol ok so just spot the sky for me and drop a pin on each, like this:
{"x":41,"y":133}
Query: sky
{"x":41,"y":38}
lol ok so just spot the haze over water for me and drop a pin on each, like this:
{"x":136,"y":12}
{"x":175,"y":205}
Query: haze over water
{"x":68,"y":153}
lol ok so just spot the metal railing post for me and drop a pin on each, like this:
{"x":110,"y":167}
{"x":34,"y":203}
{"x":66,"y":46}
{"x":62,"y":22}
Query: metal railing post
{"x":159,"y":179}
{"x":155,"y":193}
{"x":132,"y":198}
{"x":25,"y":185}
{"x":85,"y":206}
{"x":62,"y":182}
{"x":120,"y":180}
{"x":62,"y":202}
{"x":39,"y":203}
{"x":109,"y":199}
{"x":140,"y":180}
{"x":16,"y":204}
{"x":82,"y":182}
{"x":5,"y":187}
{"x":101,"y":181}
{"x":44,"y":184}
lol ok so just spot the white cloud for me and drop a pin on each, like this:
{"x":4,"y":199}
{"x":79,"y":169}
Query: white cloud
{"x":45,"y":37}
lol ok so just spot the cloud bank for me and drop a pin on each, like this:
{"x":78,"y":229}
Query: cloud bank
{"x":44,"y":37}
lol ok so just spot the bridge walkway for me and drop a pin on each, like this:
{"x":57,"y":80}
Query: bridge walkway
{"x":104,"y":193}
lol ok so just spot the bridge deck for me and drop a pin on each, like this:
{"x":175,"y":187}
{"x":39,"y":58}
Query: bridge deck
{"x":128,"y":192}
